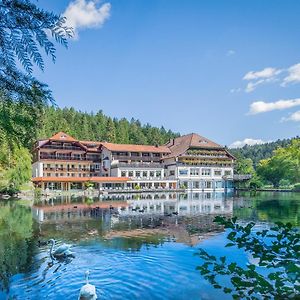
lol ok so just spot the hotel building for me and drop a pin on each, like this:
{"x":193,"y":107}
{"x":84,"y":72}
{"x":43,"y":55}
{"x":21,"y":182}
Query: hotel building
{"x":197,"y":163}
{"x":189,"y":162}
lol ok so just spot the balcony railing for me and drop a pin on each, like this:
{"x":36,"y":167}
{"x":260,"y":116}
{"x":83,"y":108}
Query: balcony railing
{"x":229,"y":165}
{"x":137,"y":165}
{"x":137,"y":158}
{"x":67,"y":170}
{"x":52,"y":157}
{"x":62,"y":147}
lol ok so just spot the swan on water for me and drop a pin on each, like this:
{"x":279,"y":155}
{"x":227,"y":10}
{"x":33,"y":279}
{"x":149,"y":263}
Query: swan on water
{"x":61,"y":251}
{"x":88,"y":291}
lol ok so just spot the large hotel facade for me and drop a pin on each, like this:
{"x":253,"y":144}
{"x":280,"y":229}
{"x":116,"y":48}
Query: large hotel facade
{"x":189,"y":162}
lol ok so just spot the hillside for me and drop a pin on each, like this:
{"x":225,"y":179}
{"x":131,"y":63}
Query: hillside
{"x":99,"y":127}
{"x":258,"y":152}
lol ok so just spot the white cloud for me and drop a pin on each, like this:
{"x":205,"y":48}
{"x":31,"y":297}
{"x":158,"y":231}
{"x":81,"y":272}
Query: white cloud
{"x":247,"y":141}
{"x":230,"y":52}
{"x":257,"y":78}
{"x":295,"y":117}
{"x":261,"y":106}
{"x":293,"y":75}
{"x":82,"y":14}
{"x":263,"y":74}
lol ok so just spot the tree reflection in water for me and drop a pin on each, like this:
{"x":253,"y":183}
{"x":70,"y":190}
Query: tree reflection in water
{"x":17,"y":245}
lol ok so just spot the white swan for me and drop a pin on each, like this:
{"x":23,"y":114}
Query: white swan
{"x":88,"y":291}
{"x":61,"y":251}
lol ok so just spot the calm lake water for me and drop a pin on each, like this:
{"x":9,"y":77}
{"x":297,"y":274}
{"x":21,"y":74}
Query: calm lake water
{"x":135,"y":246}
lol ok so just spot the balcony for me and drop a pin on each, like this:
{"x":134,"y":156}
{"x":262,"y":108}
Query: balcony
{"x":137,"y":165}
{"x":68,"y":158}
{"x":62,"y":147}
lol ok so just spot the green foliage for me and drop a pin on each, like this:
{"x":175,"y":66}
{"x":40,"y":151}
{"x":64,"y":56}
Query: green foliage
{"x":24,"y":32}
{"x":259,"y":152}
{"x":276,"y":250}
{"x":99,"y":127}
{"x":15,"y":235}
{"x":19,"y":171}
{"x":137,"y":187}
{"x":89,"y":185}
{"x":297,"y":187}
{"x":244,"y":166}
{"x":284,"y":164}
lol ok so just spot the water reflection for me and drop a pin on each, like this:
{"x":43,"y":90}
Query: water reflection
{"x":125,"y":239}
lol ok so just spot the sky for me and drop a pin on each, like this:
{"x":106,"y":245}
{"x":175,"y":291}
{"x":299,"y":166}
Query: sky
{"x":227,"y":70}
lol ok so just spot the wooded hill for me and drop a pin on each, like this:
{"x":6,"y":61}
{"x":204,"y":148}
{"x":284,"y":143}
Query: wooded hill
{"x":99,"y":127}
{"x":259,"y":152}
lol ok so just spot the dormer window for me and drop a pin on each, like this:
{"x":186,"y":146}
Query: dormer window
{"x":203,"y":142}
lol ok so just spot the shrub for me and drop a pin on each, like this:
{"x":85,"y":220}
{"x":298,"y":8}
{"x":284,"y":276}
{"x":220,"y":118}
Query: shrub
{"x":296,"y":187}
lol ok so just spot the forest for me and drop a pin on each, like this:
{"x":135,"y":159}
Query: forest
{"x":99,"y":127}
{"x":275,"y":165}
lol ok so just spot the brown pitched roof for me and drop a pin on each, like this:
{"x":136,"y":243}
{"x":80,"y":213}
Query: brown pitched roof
{"x":61,"y":136}
{"x":136,"y":148}
{"x":181,"y":144}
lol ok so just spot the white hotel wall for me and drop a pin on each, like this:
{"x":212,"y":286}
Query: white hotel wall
{"x":117,"y":172}
{"x":201,"y":182}
{"x":37,"y":169}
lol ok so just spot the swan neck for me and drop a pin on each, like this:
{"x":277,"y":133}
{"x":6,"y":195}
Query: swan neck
{"x":51,"y":249}
{"x":87,"y":278}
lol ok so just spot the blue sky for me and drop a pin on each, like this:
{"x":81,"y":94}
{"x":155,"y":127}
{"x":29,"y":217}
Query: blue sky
{"x":227,"y":70}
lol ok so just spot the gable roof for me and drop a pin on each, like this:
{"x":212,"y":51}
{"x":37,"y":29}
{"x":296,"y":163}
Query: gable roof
{"x":61,"y":136}
{"x":181,"y":144}
{"x":136,"y":148}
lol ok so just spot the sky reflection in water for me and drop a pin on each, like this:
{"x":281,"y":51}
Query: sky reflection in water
{"x":135,"y":246}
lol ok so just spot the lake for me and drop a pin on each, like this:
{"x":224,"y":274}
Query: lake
{"x":136,"y":246}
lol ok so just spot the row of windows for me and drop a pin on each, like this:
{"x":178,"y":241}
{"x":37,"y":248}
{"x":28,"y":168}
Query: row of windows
{"x":204,"y":172}
{"x":69,"y":175}
{"x":77,"y":167}
{"x":144,"y":174}
{"x":144,"y":154}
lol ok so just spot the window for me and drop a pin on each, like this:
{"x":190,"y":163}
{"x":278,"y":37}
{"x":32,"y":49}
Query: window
{"x":172,"y":173}
{"x":196,"y":185}
{"x":151,"y":173}
{"x":137,"y":174}
{"x":194,"y":171}
{"x":156,"y":154}
{"x":123,"y":174}
{"x":145,"y":174}
{"x":183,"y":172}
{"x":130,"y":173}
{"x":218,"y":172}
{"x":227,"y":173}
{"x":206,"y":172}
{"x":158,"y":174}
